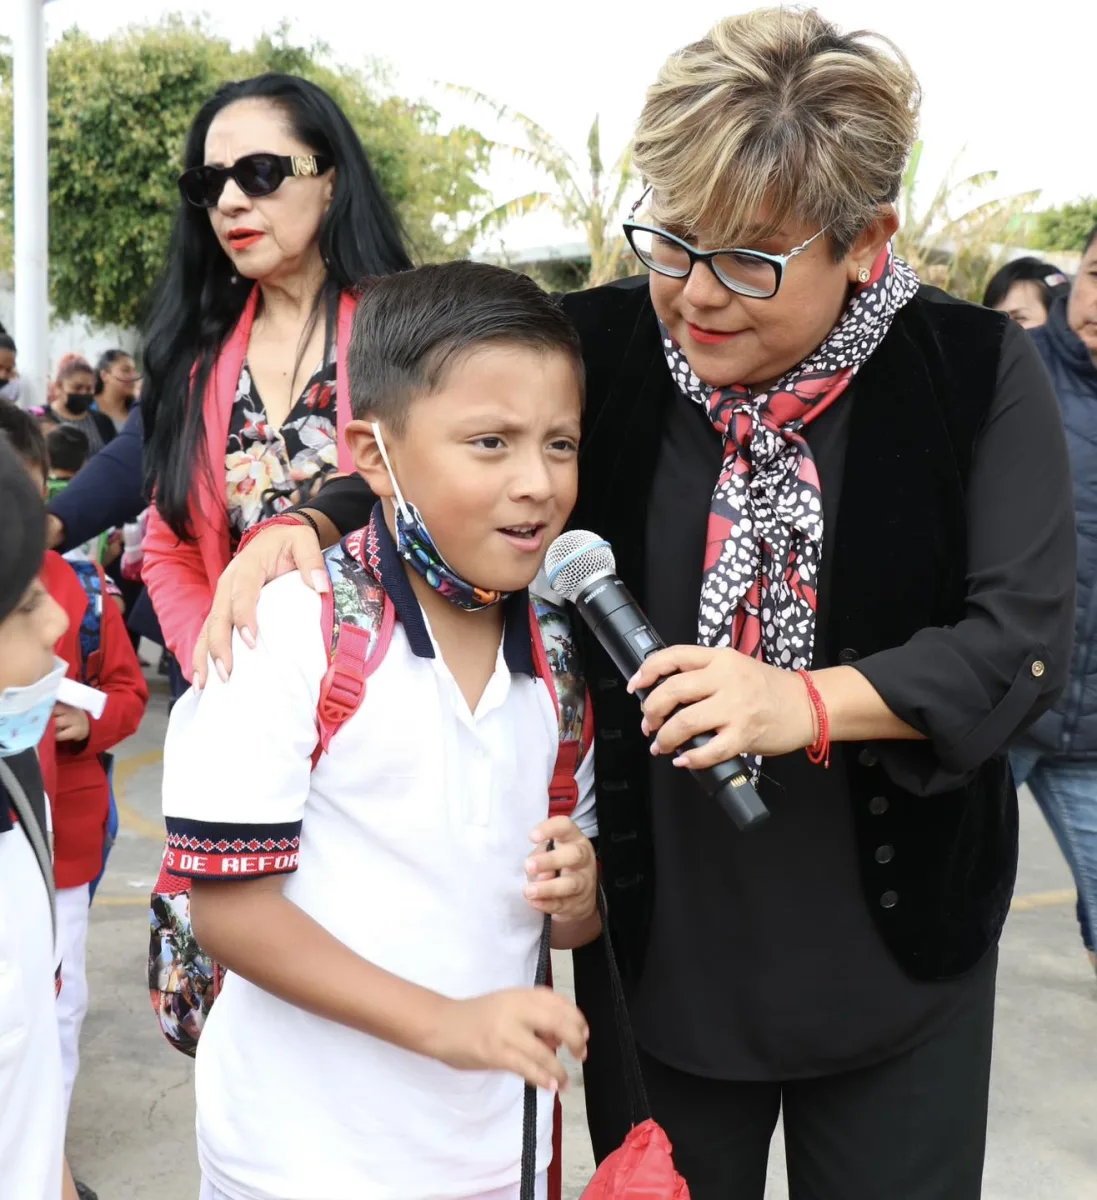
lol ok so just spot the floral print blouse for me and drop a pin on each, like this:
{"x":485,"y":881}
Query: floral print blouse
{"x":269,"y":470}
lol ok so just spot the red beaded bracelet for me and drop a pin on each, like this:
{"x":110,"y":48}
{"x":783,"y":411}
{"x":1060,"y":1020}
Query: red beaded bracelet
{"x":819,"y":751}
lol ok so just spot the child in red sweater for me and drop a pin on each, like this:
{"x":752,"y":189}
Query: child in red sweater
{"x":72,"y":751}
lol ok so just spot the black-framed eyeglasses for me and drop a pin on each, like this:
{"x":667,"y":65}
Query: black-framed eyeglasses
{"x":255,"y":175}
{"x":750,"y":273}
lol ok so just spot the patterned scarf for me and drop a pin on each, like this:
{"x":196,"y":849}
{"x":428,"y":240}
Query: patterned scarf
{"x":765,"y":529}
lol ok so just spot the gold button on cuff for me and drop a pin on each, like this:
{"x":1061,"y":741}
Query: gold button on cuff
{"x":1038,"y":668}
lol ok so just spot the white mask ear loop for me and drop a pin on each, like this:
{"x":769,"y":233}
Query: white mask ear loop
{"x":388,"y":467}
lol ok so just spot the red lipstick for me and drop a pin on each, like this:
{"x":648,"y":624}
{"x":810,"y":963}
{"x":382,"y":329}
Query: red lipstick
{"x":711,"y":337}
{"x":243,"y":239}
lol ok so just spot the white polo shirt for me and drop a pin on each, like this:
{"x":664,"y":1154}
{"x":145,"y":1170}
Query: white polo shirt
{"x":407,"y":842}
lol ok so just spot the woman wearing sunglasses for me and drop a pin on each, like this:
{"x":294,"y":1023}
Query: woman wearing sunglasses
{"x":280,"y":217}
{"x":843,"y":499}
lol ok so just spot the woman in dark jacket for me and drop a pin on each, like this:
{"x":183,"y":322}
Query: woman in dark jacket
{"x":843,"y":499}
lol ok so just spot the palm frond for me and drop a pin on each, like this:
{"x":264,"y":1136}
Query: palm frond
{"x":512,"y":210}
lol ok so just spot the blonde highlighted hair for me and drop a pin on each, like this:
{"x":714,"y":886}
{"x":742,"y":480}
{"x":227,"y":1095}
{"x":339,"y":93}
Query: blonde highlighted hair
{"x":776,"y":116}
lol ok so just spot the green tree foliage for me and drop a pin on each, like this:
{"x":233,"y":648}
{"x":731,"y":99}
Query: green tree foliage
{"x":119,"y":110}
{"x":1065,"y":228}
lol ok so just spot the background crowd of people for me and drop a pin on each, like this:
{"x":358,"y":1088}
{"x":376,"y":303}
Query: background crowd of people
{"x":932,"y":612}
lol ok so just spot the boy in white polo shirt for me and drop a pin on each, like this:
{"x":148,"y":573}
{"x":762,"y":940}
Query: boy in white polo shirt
{"x":378,"y":1019}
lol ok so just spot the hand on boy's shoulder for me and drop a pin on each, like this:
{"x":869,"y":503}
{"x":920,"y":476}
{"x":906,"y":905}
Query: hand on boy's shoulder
{"x":290,"y":627}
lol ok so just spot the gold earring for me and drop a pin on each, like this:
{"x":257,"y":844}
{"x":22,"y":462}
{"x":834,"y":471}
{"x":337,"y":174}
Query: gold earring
{"x":864,"y":275}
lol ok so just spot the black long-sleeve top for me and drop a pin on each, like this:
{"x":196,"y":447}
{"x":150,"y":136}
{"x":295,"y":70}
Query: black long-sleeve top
{"x":763,"y":961}
{"x":107,"y":491}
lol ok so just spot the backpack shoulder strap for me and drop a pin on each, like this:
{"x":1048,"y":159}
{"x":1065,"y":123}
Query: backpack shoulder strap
{"x":91,"y":626}
{"x":358,"y":618}
{"x":556,"y":657}
{"x":34,"y":826}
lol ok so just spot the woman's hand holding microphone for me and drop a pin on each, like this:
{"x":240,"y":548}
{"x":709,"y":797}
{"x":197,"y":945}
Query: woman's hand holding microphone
{"x":750,"y":707}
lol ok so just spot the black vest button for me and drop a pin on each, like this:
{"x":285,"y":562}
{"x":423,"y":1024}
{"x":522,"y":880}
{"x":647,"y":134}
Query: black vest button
{"x":878,"y":805}
{"x":629,"y":882}
{"x":847,"y":656}
{"x":889,"y":899}
{"x":866,"y":758}
{"x":884,"y":854}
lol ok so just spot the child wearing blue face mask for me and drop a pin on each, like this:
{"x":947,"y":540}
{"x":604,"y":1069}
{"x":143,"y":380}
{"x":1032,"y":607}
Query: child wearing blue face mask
{"x":32,"y":1120}
{"x":379,"y":913}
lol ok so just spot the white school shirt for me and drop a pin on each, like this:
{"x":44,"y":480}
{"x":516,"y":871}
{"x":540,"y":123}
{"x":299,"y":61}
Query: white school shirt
{"x":413,"y":832}
{"x":32,"y":1118}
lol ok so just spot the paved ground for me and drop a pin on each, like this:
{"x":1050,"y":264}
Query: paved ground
{"x":131,"y":1128}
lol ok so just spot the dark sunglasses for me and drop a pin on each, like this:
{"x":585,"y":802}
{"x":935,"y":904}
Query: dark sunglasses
{"x":255,"y":175}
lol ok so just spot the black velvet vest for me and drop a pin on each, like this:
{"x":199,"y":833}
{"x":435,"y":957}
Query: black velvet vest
{"x":899,"y":566}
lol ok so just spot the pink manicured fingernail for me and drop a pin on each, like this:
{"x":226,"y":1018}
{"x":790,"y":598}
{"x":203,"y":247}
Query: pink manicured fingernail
{"x":680,"y":761}
{"x":655,"y":747}
{"x":320,"y":580}
{"x":222,"y":674}
{"x":248,"y":637}
{"x":630,"y":687}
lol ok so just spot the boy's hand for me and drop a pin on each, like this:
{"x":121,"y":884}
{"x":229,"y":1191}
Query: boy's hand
{"x":70,"y":724}
{"x":515,"y":1031}
{"x":563,"y":880}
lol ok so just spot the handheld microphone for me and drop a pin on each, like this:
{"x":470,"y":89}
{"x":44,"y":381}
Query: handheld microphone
{"x":581,"y":568}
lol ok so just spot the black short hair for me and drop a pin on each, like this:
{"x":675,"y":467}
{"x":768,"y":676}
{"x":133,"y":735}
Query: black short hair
{"x":1025,"y":270}
{"x":24,"y":436}
{"x":410,"y":327}
{"x":107,"y":360}
{"x":1091,"y":237}
{"x":68,"y":448}
{"x":7,"y":342}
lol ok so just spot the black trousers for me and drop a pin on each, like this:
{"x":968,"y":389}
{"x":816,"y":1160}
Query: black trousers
{"x":910,"y":1128}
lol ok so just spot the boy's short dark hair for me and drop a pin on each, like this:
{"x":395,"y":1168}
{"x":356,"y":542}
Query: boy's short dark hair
{"x":68,"y":448}
{"x":24,"y":437}
{"x":1091,"y":237}
{"x":7,"y":342}
{"x":411,"y":326}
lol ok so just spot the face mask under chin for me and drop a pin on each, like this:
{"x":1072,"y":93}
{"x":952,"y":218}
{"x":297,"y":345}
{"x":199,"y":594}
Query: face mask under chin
{"x":416,"y":547}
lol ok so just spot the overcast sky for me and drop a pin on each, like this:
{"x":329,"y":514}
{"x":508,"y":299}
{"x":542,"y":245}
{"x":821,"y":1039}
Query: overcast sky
{"x":1017,"y":91}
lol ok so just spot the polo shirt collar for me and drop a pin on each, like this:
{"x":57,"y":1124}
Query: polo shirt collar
{"x":517,"y":648}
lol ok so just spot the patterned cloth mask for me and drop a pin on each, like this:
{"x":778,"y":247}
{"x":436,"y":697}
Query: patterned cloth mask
{"x":765,"y":528}
{"x":416,"y":547}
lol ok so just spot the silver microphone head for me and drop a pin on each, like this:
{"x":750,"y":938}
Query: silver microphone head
{"x":575,"y":559}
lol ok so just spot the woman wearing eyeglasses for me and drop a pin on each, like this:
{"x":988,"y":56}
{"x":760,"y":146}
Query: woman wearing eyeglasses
{"x":843,"y":499}
{"x":281,"y":217}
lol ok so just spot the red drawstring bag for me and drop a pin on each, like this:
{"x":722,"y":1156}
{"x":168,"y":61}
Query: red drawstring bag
{"x":642,"y":1167}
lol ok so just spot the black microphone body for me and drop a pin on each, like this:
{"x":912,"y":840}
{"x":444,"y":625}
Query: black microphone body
{"x":627,"y":636}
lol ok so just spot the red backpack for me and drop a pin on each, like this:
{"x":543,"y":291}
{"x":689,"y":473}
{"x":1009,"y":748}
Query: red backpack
{"x":358,"y":620}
